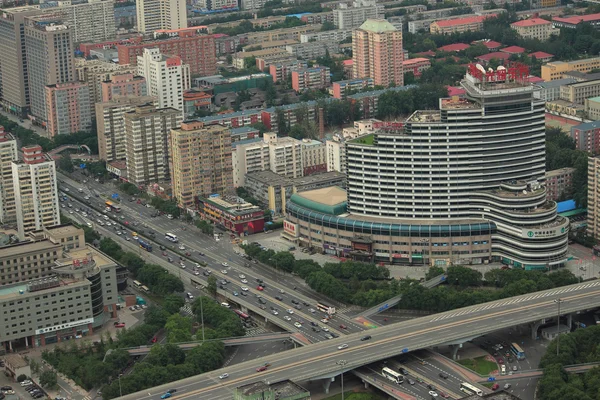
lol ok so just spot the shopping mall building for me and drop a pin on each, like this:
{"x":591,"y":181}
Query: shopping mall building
{"x":460,"y":185}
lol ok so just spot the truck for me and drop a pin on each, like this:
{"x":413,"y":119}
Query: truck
{"x":145,"y":245}
{"x":110,"y":206}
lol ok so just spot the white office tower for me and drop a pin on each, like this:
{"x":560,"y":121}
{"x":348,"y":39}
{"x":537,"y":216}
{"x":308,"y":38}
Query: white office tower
{"x":166,"y":78}
{"x":153,"y":15}
{"x":35,"y":191}
{"x":8,"y":154}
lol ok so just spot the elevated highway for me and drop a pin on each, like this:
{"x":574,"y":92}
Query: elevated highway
{"x":320,"y":359}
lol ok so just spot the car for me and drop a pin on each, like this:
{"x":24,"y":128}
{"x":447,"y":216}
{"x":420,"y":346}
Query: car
{"x":242,"y":276}
{"x":181,"y":247}
{"x":290,"y":311}
{"x":26,"y":383}
{"x":259,"y":288}
{"x":410,"y":381}
{"x":325,"y":329}
{"x":297,"y":324}
{"x":430,"y":386}
{"x":495,"y":386}
{"x":244,"y":280}
{"x":279,"y":298}
{"x":262,"y":301}
{"x":166,"y":395}
{"x":325,"y":321}
{"x":403,"y":371}
{"x":444,"y":395}
{"x":224,"y":271}
{"x":500,"y":361}
{"x":287,"y":318}
{"x":515,"y":368}
{"x":294,"y":301}
{"x":223,"y":376}
{"x":172,"y":391}
{"x":6,"y":388}
{"x":261,"y":368}
{"x":120,"y":325}
{"x":244,"y":288}
{"x":342,"y":346}
{"x":244,"y":293}
{"x":343,"y":326}
{"x":297,"y":307}
{"x":506,"y":386}
{"x":275,"y":312}
{"x":433,"y":394}
{"x":223,"y":282}
{"x":281,"y":291}
{"x":312,"y":310}
{"x":235,"y":293}
{"x":362,"y":339}
{"x":225,"y":264}
{"x":443,"y":375}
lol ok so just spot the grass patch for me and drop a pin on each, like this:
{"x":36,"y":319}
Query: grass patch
{"x":367,"y":139}
{"x":480,"y":365}
{"x":488,"y":384}
{"x":356,"y":396}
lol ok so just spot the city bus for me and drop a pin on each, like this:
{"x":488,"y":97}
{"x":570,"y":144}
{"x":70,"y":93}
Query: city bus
{"x":137,"y":284}
{"x":392,"y":375}
{"x":325,"y":308}
{"x":171,"y":238}
{"x":470,"y":389}
{"x":145,"y":289}
{"x":112,"y":206}
{"x":517,"y":351}
{"x":144,"y":245}
{"x":243,"y":316}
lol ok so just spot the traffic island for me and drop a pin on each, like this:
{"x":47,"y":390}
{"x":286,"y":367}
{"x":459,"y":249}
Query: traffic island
{"x":481,"y":365}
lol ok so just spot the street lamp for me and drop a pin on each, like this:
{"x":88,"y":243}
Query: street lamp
{"x":120,"y":391}
{"x":202,"y":316}
{"x":558,"y":301}
{"x":342,"y":364}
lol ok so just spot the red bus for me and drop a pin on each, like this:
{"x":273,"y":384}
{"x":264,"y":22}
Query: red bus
{"x":243,"y":316}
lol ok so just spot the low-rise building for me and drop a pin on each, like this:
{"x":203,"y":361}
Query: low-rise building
{"x":317,"y":18}
{"x":218,"y":84}
{"x":464,"y":24}
{"x":239,"y":59}
{"x":234,"y":120}
{"x":336,"y":35}
{"x":232,"y":214}
{"x":282,"y":71}
{"x":587,"y":136}
{"x":559,"y":183}
{"x":281,"y":34}
{"x":550,"y":91}
{"x":311,"y":78}
{"x":416,"y":65}
{"x":312,"y":50}
{"x":341,"y":89}
{"x":555,"y":70}
{"x":273,"y":44}
{"x":535,"y":28}
{"x":513,"y":50}
{"x":314,"y":157}
{"x":353,"y":17}
{"x":274,"y":190}
{"x":542,"y":56}
{"x":578,"y":92}
{"x":573,"y":21}
{"x":592,"y":108}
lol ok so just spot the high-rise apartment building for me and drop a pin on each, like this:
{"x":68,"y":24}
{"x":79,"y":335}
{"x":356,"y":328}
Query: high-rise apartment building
{"x":166,"y":76}
{"x":121,"y":85}
{"x":478,"y":199}
{"x":311,"y":78}
{"x":8,"y":154}
{"x":593,"y":203}
{"x":68,"y":108}
{"x":200,"y":159}
{"x":54,"y":288}
{"x":153,"y":15}
{"x":35,"y":190}
{"x":110,"y":125}
{"x":146,"y":130}
{"x":13,"y":63}
{"x":285,"y":155}
{"x":49,"y":50}
{"x":314,"y":157}
{"x":377,"y":53}
{"x":196,"y":50}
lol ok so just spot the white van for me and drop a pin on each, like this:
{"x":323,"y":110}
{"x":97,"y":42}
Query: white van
{"x":226,"y":305}
{"x":503,"y":369}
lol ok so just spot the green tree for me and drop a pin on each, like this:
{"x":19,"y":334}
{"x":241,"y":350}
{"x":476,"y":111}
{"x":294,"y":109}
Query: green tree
{"x":433,"y":272}
{"x":21,"y":378}
{"x":48,"y":379}
{"x":211,"y":285}
{"x":328,"y":26}
{"x":65,"y":163}
{"x":463,"y":276}
{"x":172,"y":304}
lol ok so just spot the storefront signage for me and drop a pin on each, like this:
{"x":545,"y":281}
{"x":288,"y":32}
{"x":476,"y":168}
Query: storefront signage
{"x":399,"y":255}
{"x":543,"y":233}
{"x":290,"y":228}
{"x":64,"y":326}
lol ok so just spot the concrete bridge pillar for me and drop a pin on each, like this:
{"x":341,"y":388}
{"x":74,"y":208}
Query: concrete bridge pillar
{"x":366,"y":384}
{"x":455,"y":348}
{"x":534,"y":328}
{"x":327,"y":383}
{"x":569,"y":320}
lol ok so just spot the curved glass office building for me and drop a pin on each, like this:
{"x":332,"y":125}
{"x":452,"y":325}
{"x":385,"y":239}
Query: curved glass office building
{"x":460,"y":185}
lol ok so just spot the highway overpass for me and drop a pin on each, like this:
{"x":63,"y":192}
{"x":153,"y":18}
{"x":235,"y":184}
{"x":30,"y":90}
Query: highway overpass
{"x":319,"y":360}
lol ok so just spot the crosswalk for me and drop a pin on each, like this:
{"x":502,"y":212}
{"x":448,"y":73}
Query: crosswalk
{"x":515,"y":300}
{"x":259,"y":330}
{"x":187,"y":310}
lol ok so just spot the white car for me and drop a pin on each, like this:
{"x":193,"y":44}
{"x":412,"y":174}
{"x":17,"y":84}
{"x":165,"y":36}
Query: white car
{"x":275,"y":312}
{"x":244,"y":281}
{"x":181,"y":247}
{"x":290,"y":311}
{"x":224,"y":271}
{"x":325,"y":329}
{"x":66,"y":189}
{"x":225,"y":264}
{"x":297,"y":324}
{"x":182,"y":266}
{"x":342,"y":346}
{"x":324,"y":321}
{"x":242,"y":276}
{"x":281,"y":291}
{"x":108,"y":224}
{"x":25,"y":383}
{"x":223,"y":376}
{"x":287,"y":318}
{"x":312,"y":310}
{"x":433,"y":394}
{"x":127,"y":238}
{"x":245,"y":288}
{"x":119,"y":233}
{"x":197,"y":273}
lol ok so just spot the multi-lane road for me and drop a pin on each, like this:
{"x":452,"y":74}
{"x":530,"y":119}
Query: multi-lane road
{"x":285,"y":306}
{"x":320,"y":359}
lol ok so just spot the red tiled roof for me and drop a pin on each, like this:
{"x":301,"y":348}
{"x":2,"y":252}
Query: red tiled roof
{"x":577,"y":19}
{"x":411,"y":61}
{"x":427,"y":53}
{"x":491,"y":44}
{"x":454,"y":47}
{"x":541,"y":54}
{"x":455,"y":91}
{"x":498,"y":55}
{"x":463,"y":21}
{"x":348,"y":63}
{"x":534,"y":79}
{"x":219,"y":35}
{"x":513,"y":50}
{"x":531,"y":22}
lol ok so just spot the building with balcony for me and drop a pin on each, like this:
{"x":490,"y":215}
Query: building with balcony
{"x":8,"y":155}
{"x":201,"y":164}
{"x":311,"y":78}
{"x":593,"y":206}
{"x":592,"y":108}
{"x":282,"y":71}
{"x":335,"y":36}
{"x":68,"y":108}
{"x":66,"y":288}
{"x":587,"y":136}
{"x":488,"y":203}
{"x":153,"y":15}
{"x":341,"y":89}
{"x":559,"y":183}
{"x":353,"y":17}
{"x":416,"y":65}
{"x":120,"y":85}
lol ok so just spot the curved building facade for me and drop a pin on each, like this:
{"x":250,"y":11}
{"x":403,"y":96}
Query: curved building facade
{"x":462,"y":184}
